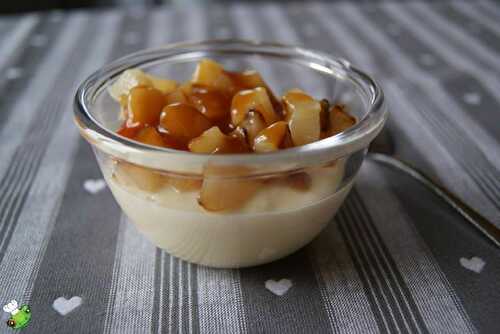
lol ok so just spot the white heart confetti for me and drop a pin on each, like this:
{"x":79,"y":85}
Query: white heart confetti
{"x":280,"y":287}
{"x":475,"y":264}
{"x":64,"y":306}
{"x":94,"y":186}
{"x":472,"y":98}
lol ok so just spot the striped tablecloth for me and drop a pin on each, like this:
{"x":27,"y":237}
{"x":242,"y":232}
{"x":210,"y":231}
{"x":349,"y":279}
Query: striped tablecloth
{"x":395,"y":259}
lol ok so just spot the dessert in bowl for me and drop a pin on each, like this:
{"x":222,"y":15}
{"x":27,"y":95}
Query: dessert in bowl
{"x":229,"y":168}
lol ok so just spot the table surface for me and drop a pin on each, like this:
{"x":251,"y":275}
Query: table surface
{"x":395,"y":259}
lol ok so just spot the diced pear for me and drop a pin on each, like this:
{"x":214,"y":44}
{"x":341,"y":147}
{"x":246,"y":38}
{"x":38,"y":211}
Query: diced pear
{"x":340,"y":120}
{"x":251,"y":79}
{"x":166,"y":86}
{"x":183,"y":122}
{"x":252,"y":124}
{"x":271,"y":138}
{"x":211,"y":74}
{"x":303,"y":115}
{"x":150,"y":136}
{"x":141,"y":177}
{"x":128,"y":80}
{"x":299,"y":181}
{"x":211,"y":103}
{"x":144,"y":106}
{"x":252,"y":100}
{"x":181,"y":184}
{"x":214,"y":141}
{"x":226,"y":188}
{"x":176,"y":96}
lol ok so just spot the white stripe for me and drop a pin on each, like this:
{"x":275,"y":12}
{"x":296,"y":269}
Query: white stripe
{"x":34,"y":226}
{"x":490,"y":7}
{"x":346,"y":303}
{"x":438,"y":304}
{"x":14,"y":38}
{"x":467,"y":42}
{"x":472,"y":11}
{"x":219,"y":301}
{"x":133,"y":302}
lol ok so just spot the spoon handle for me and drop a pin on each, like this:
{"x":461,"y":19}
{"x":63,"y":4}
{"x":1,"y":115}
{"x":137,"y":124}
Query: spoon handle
{"x":472,"y":216}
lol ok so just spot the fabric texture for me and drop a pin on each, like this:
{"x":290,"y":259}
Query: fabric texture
{"x":389,"y":262}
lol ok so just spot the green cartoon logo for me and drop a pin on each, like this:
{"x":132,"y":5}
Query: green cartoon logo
{"x":19,"y":317}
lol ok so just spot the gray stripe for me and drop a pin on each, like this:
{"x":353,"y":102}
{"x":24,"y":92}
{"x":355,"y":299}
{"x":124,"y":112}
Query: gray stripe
{"x":480,"y":26}
{"x":28,"y":156}
{"x":438,"y":304}
{"x":458,"y":40}
{"x":451,"y":238}
{"x":25,"y":61}
{"x":458,"y":85}
{"x":43,"y":198}
{"x":336,"y":33}
{"x":432,"y":91}
{"x":24,"y":96}
{"x":490,"y":8}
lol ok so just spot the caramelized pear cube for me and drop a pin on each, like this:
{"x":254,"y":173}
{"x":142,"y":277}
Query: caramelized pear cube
{"x":140,"y":177}
{"x":252,"y":100}
{"x":271,"y":138}
{"x":211,"y":74}
{"x":303,"y":115}
{"x":183,"y":122}
{"x":144,"y":106}
{"x":340,"y":120}
{"x":226,"y":188}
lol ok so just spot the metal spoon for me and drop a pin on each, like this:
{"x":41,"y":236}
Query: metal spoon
{"x":382,"y":150}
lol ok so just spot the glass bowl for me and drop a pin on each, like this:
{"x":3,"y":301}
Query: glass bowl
{"x":263,"y":206}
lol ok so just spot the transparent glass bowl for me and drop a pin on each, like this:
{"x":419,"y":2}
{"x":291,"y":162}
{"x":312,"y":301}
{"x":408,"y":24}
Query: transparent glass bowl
{"x":274,"y":203}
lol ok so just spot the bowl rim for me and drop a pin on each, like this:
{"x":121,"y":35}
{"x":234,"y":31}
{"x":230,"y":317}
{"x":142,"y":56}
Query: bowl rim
{"x":355,"y":138}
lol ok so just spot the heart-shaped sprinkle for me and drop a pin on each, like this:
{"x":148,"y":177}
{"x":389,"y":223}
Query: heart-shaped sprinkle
{"x":280,"y":287}
{"x":475,"y":264}
{"x":94,"y":186}
{"x":473,"y":99}
{"x":64,"y":306}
